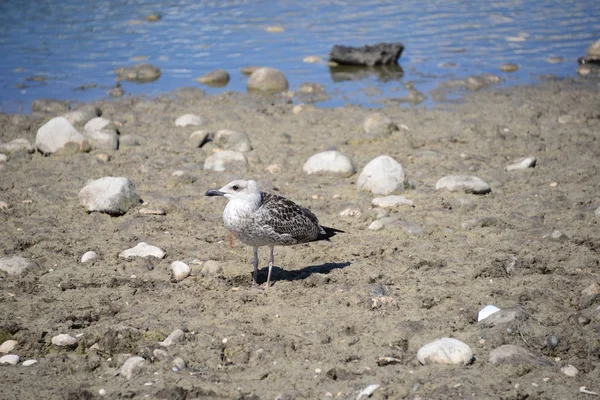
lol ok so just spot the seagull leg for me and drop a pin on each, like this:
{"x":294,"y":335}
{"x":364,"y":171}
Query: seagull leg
{"x":255,"y":263}
{"x":270,"y":266}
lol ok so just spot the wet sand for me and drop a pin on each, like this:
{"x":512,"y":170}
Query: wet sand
{"x":322,"y":328}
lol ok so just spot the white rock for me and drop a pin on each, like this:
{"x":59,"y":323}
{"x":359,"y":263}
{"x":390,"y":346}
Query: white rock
{"x":142,"y":249}
{"x":102,"y":392}
{"x":104,"y":139}
{"x":528,"y":162}
{"x":391,"y":201}
{"x":11,"y":359}
{"x":29,"y":363}
{"x":211,"y":268}
{"x":189,"y":119}
{"x":463,"y":183}
{"x":99,"y":124}
{"x":174,"y":337}
{"x":376,"y":225}
{"x":379,"y":125}
{"x":111,"y":195}
{"x":178,"y":363}
{"x":130,"y":366}
{"x":82,"y":114}
{"x":267,"y":80}
{"x":329,"y":162}
{"x":198,"y":138}
{"x":486,"y":312}
{"x":64,"y":340}
{"x":367,"y":392}
{"x":8,"y":346}
{"x":3,"y":157}
{"x":89,"y":255}
{"x":56,"y":133}
{"x":569,"y":370}
{"x":16,"y":145}
{"x":180,"y":270}
{"x":232,"y":140}
{"x":16,"y":265}
{"x":382,"y":175}
{"x":224,"y":160}
{"x":445,"y":351}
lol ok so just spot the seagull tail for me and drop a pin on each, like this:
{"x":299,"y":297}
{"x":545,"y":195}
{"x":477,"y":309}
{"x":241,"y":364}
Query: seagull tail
{"x":326,"y":233}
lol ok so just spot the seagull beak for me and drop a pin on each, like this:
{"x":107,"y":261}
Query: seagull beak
{"x":214,"y":192}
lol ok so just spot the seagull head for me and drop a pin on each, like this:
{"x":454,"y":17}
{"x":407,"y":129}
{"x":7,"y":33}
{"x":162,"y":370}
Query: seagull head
{"x":240,"y":189}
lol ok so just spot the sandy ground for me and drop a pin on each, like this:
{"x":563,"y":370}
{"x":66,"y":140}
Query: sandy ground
{"x":319,"y":332}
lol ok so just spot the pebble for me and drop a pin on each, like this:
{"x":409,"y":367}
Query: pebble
{"x":391,"y":201}
{"x":524,"y":163}
{"x":105,"y":139}
{"x":589,"y":295}
{"x":382,"y":175}
{"x":232,"y":140}
{"x":83,"y":114}
{"x":211,"y":268}
{"x":64,"y":340}
{"x":367,"y":392}
{"x":178,"y":364}
{"x":56,"y":133}
{"x":143,"y":249}
{"x":486,"y":312}
{"x":138,"y":73}
{"x":379,"y":125}
{"x":15,"y":146}
{"x":11,"y":359}
{"x":329,"y":162}
{"x":111,"y":195}
{"x":180,"y":270}
{"x":351,"y":212}
{"x":509,"y":67}
{"x":130,"y":366}
{"x":8,"y":346}
{"x":556,"y":236}
{"x":3,"y":157}
{"x":312,"y":59}
{"x":98,"y":124}
{"x":29,"y":363}
{"x":225,"y":160}
{"x":511,"y":354}
{"x":569,"y":370}
{"x":198,"y":138}
{"x":445,"y":351}
{"x":102,"y":392}
{"x":267,"y":79}
{"x":376,"y":225}
{"x":174,"y":337}
{"x":217,"y":78}
{"x":16,"y":265}
{"x":3,"y":205}
{"x":480,"y":222}
{"x":88,"y":255}
{"x":189,"y":120}
{"x":463,"y":183}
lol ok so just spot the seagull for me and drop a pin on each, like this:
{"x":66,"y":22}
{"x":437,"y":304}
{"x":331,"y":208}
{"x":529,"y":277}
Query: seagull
{"x":263,"y":219}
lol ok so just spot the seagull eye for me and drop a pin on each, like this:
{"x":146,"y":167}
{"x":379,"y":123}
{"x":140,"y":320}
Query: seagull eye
{"x":235,"y":187}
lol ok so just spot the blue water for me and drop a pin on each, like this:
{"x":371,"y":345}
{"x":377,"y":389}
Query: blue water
{"x":80,"y":42}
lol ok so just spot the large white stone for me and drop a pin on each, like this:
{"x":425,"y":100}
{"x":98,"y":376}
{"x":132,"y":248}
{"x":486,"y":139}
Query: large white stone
{"x":143,"y":249}
{"x":445,"y":351}
{"x":224,"y":160}
{"x":111,"y":195}
{"x":8,"y":346}
{"x":16,"y":265}
{"x":130,"y":366}
{"x":56,"y":133}
{"x":267,"y":80}
{"x":232,"y":140}
{"x":11,"y":359}
{"x":189,"y":120}
{"x":180,"y":270}
{"x":382,"y":175}
{"x":463,"y":183}
{"x":329,"y":162}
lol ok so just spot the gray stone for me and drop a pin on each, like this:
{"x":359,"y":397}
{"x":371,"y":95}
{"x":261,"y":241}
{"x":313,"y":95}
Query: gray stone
{"x":16,"y":265}
{"x":391,"y":201}
{"x":16,"y":145}
{"x":198,"y":138}
{"x":189,"y":120}
{"x":267,"y":80}
{"x":99,"y":124}
{"x":143,"y":249}
{"x":376,"y":225}
{"x":382,"y":175}
{"x":217,"y":78}
{"x":83,"y":114}
{"x":232,"y":140}
{"x":178,"y":364}
{"x":4,"y":157}
{"x":174,"y":337}
{"x":140,"y":73}
{"x":589,"y":295}
{"x":379,"y":125}
{"x":130,"y":366}
{"x":511,"y":354}
{"x":56,"y":134}
{"x":129,"y":140}
{"x":569,"y":370}
{"x":64,"y":340}
{"x":332,"y":162}
{"x":111,"y":195}
{"x":524,"y":163}
{"x":463,"y":183}
{"x":502,"y":317}
{"x":225,"y":160}
{"x":105,"y":139}
{"x":445,"y":351}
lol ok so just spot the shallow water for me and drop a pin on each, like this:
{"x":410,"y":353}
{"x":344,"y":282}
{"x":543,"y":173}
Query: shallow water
{"x":82,"y":42}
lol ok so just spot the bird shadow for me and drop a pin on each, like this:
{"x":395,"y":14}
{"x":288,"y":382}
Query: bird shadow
{"x":280,"y":274}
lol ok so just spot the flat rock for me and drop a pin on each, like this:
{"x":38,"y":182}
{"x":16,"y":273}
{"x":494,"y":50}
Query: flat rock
{"x":64,"y":340}
{"x":111,"y":195}
{"x":232,"y":140}
{"x":225,"y":160}
{"x":511,"y":354}
{"x":189,"y":120}
{"x":391,"y":201}
{"x":140,"y":73}
{"x":29,"y":363}
{"x":379,"y":54}
{"x":267,"y":79}
{"x":8,"y":346}
{"x":105,"y":139}
{"x":16,"y":265}
{"x":332,"y":162}
{"x":131,"y":365}
{"x":11,"y":359}
{"x":16,"y":145}
{"x":379,"y":125}
{"x":129,"y":140}
{"x":382,"y":175}
{"x":56,"y":134}
{"x":143,"y":249}
{"x":463,"y":183}
{"x":524,"y":163}
{"x":445,"y":351}
{"x":217,"y":78}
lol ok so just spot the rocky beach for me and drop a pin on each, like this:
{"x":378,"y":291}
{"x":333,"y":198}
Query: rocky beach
{"x":118,"y":279}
